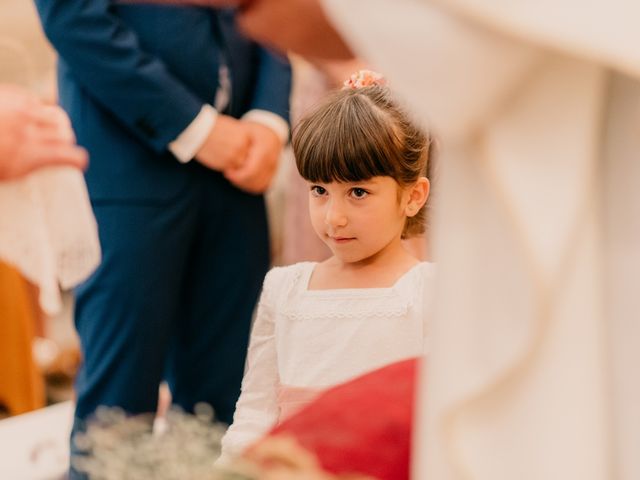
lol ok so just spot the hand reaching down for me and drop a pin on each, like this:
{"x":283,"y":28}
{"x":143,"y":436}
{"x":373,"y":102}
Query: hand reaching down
{"x":34,"y":135}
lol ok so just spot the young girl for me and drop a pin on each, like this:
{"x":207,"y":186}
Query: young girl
{"x":320,"y":324}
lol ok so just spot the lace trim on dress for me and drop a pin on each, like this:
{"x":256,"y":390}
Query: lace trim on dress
{"x":353,"y":306}
{"x":48,"y":231}
{"x":347,"y":303}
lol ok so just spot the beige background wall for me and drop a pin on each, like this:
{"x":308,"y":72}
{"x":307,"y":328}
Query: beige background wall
{"x":25,"y":56}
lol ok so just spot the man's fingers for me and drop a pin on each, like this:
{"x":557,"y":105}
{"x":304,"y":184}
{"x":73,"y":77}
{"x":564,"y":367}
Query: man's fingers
{"x":247,"y":179}
{"x":226,"y":146}
{"x":238,"y":175}
{"x":239,"y":159}
{"x":261,"y":161}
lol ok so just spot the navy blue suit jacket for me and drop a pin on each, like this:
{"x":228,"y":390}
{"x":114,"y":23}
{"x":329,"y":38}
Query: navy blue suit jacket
{"x":133,"y":77}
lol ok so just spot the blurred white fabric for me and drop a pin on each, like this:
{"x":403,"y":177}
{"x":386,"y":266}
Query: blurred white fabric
{"x":35,"y":445}
{"x":48,"y":231}
{"x":47,"y":228}
{"x":535,"y":342}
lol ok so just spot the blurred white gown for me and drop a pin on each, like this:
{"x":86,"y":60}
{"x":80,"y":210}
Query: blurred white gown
{"x":47,"y":228}
{"x":536,"y":340}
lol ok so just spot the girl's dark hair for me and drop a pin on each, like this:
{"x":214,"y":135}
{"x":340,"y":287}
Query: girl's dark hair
{"x":357,"y":134}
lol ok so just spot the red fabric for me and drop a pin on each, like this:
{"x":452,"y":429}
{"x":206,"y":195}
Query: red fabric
{"x":362,"y":426}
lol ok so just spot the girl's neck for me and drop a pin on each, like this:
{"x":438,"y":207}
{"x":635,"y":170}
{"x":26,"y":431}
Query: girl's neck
{"x":373,"y":272}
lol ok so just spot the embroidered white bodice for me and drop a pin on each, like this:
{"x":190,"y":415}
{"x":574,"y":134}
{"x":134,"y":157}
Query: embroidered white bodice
{"x":305,"y":340}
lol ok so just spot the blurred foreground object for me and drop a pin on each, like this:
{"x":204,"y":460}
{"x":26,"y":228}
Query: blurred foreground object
{"x":358,"y":430}
{"x":48,"y":231}
{"x":116,"y":446}
{"x":21,"y":384}
{"x":362,"y":427}
{"x":47,"y":228}
{"x":532,"y":368}
{"x":35,"y":446}
{"x":297,"y":25}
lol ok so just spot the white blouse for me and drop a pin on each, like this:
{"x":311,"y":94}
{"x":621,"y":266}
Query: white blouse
{"x":304,"y":341}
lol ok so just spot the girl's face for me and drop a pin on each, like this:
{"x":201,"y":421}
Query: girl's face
{"x":358,"y":221}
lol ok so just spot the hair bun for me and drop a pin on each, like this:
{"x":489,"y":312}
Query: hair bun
{"x":364,"y":78}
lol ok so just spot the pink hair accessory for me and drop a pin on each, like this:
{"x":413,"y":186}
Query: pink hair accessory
{"x":364,"y":78}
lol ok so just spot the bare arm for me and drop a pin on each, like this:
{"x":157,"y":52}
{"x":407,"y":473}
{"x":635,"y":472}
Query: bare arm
{"x":297,"y":25}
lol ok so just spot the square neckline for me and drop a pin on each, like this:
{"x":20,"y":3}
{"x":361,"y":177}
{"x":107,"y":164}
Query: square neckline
{"x":352,"y":290}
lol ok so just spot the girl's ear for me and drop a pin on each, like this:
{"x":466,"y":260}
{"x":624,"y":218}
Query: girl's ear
{"x":418,"y":194}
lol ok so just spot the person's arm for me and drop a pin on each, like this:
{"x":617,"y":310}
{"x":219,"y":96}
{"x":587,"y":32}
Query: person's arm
{"x":106,"y":58}
{"x":34,"y":135}
{"x":257,"y":408}
{"x":297,"y":25}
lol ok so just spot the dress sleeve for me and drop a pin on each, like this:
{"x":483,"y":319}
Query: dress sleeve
{"x":257,"y":408}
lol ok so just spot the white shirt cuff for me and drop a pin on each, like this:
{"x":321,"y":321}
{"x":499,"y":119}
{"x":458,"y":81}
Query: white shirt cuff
{"x":189,"y":142}
{"x":271,"y":120}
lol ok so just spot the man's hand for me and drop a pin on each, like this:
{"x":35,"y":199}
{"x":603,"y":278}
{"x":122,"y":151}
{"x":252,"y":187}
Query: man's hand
{"x":226,"y":146}
{"x":34,"y":135}
{"x":262,"y":160}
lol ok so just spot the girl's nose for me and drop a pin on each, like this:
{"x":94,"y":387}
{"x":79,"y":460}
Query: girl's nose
{"x":335,"y":215}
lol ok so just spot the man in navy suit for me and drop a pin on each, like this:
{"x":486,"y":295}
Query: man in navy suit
{"x":184,"y":120}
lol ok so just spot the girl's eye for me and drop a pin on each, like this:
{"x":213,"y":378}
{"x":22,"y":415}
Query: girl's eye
{"x":317,"y":190}
{"x":359,"y":192}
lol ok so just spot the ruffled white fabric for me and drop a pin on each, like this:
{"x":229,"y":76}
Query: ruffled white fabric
{"x":534,"y":343}
{"x":307,"y":340}
{"x":48,"y":231}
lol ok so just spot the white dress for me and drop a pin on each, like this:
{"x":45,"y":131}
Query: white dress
{"x":304,"y":341}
